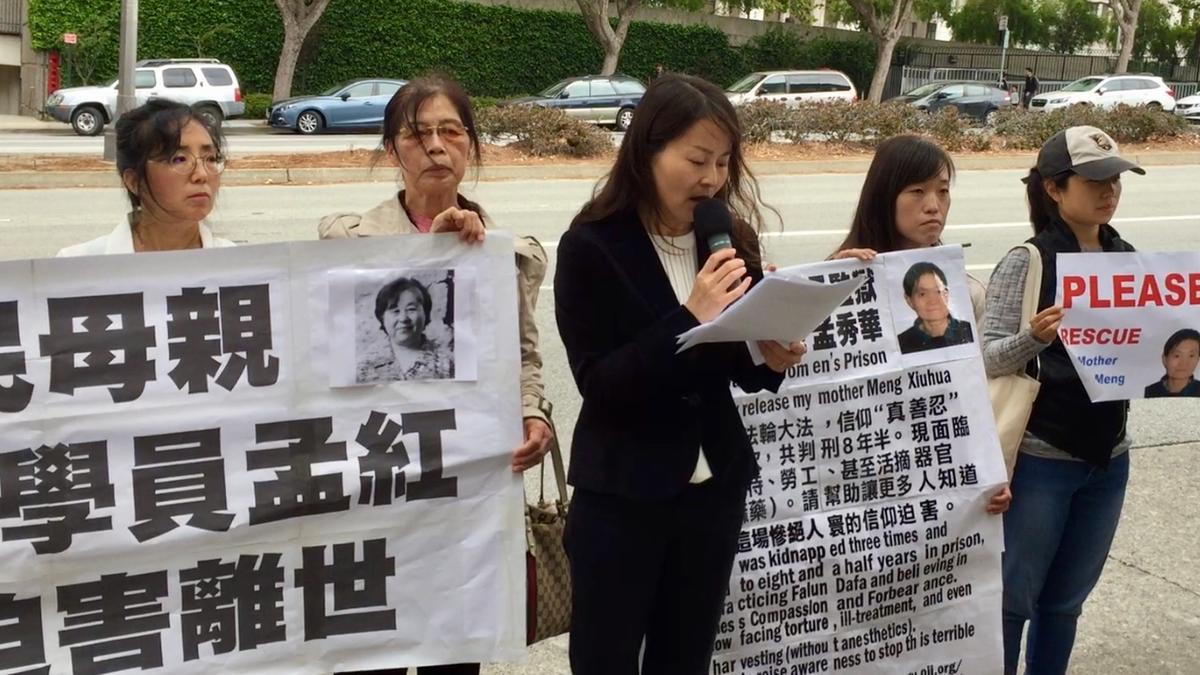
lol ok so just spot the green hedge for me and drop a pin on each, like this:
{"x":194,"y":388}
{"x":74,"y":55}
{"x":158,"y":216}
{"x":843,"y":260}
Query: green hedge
{"x":495,"y":51}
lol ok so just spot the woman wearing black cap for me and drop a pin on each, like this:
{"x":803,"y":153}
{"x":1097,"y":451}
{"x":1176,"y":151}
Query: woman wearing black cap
{"x":1069,"y":482}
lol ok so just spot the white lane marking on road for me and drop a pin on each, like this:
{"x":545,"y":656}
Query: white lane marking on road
{"x":970,"y":226}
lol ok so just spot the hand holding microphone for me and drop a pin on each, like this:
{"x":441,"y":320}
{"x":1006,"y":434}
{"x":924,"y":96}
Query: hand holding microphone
{"x":723,"y":277}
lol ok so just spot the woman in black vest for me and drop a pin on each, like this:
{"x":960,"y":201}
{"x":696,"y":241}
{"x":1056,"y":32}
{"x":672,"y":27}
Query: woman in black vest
{"x":1069,"y":483}
{"x":660,"y":459}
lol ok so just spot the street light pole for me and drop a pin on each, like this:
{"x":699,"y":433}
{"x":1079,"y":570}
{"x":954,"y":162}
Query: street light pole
{"x":125,"y":74}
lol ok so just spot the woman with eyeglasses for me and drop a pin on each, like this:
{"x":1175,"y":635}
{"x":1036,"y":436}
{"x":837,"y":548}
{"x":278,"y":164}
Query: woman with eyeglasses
{"x":170,"y":163}
{"x":429,"y":136}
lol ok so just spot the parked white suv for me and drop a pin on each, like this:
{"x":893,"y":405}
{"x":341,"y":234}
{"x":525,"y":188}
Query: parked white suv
{"x":792,"y":87}
{"x":1109,"y":91}
{"x":208,"y":84}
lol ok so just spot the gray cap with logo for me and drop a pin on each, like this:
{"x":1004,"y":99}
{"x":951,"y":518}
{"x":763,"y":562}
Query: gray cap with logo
{"x":1087,"y":151}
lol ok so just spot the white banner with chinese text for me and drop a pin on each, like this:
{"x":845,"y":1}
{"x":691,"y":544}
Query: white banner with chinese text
{"x":286,"y":458}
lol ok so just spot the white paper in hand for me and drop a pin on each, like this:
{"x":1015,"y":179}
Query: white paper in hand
{"x":779,"y":308}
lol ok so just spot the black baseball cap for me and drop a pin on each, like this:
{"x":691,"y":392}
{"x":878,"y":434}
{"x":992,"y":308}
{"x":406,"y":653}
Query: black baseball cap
{"x":1087,"y":151}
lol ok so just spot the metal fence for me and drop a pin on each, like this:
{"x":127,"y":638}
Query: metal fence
{"x":913,"y":77}
{"x":10,"y":17}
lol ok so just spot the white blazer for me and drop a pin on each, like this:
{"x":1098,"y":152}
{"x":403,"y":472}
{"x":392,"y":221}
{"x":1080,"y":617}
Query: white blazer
{"x":120,"y":240}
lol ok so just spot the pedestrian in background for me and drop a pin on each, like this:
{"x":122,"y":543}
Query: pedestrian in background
{"x":1031,"y":88}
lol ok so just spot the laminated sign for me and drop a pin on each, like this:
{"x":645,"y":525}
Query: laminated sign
{"x":1132,"y":322}
{"x":866,"y":547}
{"x":286,"y":458}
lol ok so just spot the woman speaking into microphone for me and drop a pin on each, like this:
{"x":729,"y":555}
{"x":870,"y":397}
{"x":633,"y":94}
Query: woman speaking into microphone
{"x":660,"y":460}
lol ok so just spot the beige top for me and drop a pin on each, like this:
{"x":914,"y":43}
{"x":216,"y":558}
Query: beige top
{"x":388,"y":218}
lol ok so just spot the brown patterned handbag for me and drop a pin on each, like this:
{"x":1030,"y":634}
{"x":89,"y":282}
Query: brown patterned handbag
{"x":548,"y":587}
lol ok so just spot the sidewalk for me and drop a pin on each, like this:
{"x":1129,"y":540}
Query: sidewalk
{"x":17,"y":123}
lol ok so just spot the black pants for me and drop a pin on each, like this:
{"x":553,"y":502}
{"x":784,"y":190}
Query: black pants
{"x":657,"y":571}
{"x":458,"y":669}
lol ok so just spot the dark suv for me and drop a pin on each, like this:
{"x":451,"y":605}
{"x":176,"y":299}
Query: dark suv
{"x":599,"y":99}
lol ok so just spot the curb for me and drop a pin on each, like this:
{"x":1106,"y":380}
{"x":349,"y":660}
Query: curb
{"x":320,"y":176}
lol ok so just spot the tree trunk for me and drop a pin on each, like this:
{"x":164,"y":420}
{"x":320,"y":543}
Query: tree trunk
{"x":286,"y":70}
{"x":1128,"y":34}
{"x":299,"y":16}
{"x":885,"y":46}
{"x":595,"y":16}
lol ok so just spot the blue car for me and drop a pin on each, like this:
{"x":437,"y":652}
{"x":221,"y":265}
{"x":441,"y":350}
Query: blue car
{"x":599,"y":99}
{"x":354,"y":105}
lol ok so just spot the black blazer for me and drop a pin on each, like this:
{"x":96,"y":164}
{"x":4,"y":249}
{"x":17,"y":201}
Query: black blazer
{"x":646,"y":410}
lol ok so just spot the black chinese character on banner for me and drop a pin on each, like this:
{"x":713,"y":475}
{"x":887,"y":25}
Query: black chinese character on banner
{"x":357,"y":585}
{"x":204,"y":326}
{"x":869,"y":326}
{"x":232,"y":605}
{"x":847,"y":329}
{"x":180,"y":474}
{"x":14,"y":397}
{"x":381,"y":471}
{"x":866,"y":292}
{"x":296,"y":491}
{"x":823,"y":336}
{"x":57,"y":485}
{"x":114,"y":624}
{"x":21,"y":642}
{"x":110,"y":324}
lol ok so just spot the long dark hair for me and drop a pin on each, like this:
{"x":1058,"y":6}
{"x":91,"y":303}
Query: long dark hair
{"x":671,"y":105}
{"x":401,"y":111}
{"x":152,"y":131}
{"x":899,"y":162}
{"x":1043,"y":210}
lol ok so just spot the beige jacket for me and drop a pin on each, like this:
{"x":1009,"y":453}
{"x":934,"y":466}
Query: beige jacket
{"x":389,"y":219}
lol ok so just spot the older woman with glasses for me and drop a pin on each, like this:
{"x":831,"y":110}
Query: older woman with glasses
{"x":429,"y":135}
{"x":170,"y":163}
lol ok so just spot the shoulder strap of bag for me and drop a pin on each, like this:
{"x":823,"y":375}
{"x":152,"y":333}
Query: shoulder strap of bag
{"x":1033,"y":292}
{"x":560,"y":475}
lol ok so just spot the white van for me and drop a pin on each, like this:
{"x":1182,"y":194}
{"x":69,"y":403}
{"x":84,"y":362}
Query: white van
{"x":207,"y":84}
{"x":793,"y":87}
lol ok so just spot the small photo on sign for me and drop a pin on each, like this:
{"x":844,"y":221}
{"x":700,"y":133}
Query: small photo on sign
{"x":934,"y":319}
{"x":404,"y":326}
{"x":1180,"y":356}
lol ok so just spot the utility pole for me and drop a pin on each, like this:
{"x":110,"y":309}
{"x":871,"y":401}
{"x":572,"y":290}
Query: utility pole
{"x":125,"y":74}
{"x":1004,"y":45}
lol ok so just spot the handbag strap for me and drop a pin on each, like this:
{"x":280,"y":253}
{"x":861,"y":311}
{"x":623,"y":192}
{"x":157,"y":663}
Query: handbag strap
{"x":560,"y":474}
{"x":1033,"y":293}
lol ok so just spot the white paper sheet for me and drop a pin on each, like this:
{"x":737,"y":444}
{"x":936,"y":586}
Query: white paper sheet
{"x":781,"y":308}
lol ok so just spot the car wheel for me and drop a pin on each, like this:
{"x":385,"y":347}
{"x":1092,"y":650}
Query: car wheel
{"x":310,"y":122}
{"x":211,"y":115}
{"x":87,"y":120}
{"x":624,"y":118}
{"x":1154,"y":105}
{"x":991,"y":117}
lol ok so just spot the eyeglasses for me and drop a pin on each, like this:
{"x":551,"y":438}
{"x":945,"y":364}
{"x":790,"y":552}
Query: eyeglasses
{"x":184,"y":163}
{"x":449,"y":132}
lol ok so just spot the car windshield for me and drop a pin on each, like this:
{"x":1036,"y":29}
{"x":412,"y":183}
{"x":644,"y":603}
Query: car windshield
{"x":554,"y":89}
{"x":745,"y":84}
{"x":1084,"y":84}
{"x":921,"y":92}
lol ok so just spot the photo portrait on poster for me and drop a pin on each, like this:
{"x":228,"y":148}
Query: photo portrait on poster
{"x":931,"y":305}
{"x":408,"y":325}
{"x":1181,"y":354}
{"x":404,"y":327}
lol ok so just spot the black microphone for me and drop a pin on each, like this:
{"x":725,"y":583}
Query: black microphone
{"x":713,"y":224}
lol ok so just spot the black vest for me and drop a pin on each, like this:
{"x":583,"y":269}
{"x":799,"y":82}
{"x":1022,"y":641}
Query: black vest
{"x":1063,"y":415}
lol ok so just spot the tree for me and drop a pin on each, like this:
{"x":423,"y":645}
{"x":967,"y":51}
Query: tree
{"x":1156,"y":38}
{"x":978,"y":21}
{"x":299,"y":16}
{"x":1189,"y":28}
{"x":1126,"y":14}
{"x":799,"y":10}
{"x":1070,"y":25}
{"x":884,"y":21}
